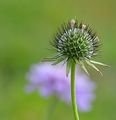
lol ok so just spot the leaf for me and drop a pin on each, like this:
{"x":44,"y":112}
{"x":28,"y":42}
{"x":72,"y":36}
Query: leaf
{"x":68,"y":67}
{"x":84,"y":68}
{"x":99,"y":63}
{"x":48,"y":60}
{"x":93,"y":66}
{"x":58,"y":61}
{"x":55,"y":59}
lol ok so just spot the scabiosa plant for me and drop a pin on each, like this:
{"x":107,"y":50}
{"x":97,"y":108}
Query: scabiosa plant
{"x":51,"y":80}
{"x":75,"y":43}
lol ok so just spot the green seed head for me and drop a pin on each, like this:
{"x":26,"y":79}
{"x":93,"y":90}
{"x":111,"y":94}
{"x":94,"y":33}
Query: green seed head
{"x":75,"y":41}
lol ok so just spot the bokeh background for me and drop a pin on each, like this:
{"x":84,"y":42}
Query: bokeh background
{"x":26,"y":27}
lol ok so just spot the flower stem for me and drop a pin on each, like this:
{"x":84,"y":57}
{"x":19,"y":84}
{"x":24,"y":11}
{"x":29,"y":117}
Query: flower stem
{"x":73,"y":91}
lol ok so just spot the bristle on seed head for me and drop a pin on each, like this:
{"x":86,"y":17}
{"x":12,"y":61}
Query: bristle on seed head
{"x":72,"y":23}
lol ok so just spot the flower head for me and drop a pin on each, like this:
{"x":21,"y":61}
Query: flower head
{"x":77,"y":43}
{"x":51,"y":80}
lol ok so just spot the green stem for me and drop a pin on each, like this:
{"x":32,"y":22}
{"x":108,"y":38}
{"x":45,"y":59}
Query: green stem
{"x":73,"y":91}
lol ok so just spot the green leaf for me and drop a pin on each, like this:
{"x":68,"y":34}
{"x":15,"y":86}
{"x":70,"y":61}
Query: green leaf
{"x":99,"y":63}
{"x":58,"y":61}
{"x":48,"y":59}
{"x":68,"y":67}
{"x":93,"y":66}
{"x":84,"y":68}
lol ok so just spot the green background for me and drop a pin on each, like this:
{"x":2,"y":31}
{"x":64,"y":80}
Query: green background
{"x":26,"y":27}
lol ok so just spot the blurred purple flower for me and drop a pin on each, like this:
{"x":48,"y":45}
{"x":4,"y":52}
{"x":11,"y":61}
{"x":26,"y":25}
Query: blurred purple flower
{"x":51,"y":80}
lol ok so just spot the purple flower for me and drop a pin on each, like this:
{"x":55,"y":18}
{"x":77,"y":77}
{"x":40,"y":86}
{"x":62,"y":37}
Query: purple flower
{"x":52,"y":80}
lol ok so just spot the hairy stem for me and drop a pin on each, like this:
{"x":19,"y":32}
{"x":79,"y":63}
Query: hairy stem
{"x":73,"y":91}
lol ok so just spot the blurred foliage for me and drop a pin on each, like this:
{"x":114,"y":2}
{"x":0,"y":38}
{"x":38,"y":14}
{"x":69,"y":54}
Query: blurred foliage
{"x":26,"y":27}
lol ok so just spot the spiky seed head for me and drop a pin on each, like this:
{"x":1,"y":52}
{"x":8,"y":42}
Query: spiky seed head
{"x":75,"y":41}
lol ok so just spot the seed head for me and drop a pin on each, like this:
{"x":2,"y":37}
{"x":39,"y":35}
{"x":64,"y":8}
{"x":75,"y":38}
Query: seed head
{"x":75,"y":42}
